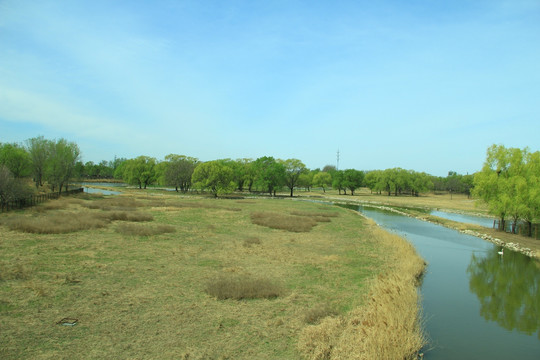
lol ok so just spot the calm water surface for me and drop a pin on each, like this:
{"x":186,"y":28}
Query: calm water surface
{"x":476,"y":304}
{"x":469,"y":219}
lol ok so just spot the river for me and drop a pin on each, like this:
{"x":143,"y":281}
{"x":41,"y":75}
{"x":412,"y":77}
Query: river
{"x":476,"y":303}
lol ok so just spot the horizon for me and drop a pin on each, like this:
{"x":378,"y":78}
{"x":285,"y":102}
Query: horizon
{"x":421,"y":86}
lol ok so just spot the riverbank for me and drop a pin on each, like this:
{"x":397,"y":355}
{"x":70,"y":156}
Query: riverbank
{"x":143,"y":276}
{"x":419,"y":208}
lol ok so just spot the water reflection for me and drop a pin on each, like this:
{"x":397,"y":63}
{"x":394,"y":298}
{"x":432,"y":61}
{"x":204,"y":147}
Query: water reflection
{"x":508,"y":288}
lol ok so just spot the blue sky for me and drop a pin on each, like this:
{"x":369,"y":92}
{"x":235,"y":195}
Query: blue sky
{"x":422,"y":85}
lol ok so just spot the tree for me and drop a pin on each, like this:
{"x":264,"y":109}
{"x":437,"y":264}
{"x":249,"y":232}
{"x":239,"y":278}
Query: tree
{"x":293,"y":169}
{"x":214,"y":175}
{"x":323,"y":180}
{"x":353,"y":179}
{"x":338,"y":181}
{"x":139,"y":171}
{"x":39,"y":149}
{"x":178,"y":170}
{"x":270,"y":174}
{"x":63,"y":156}
{"x":10,"y":187}
{"x":16,"y":159}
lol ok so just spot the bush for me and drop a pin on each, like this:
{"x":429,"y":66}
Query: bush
{"x":251,"y":241}
{"x":142,"y":230}
{"x":238,"y":287}
{"x":279,"y":221}
{"x":317,"y":313}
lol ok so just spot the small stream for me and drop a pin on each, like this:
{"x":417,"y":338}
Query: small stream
{"x":477,"y":304}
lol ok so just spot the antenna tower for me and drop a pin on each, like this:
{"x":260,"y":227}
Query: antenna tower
{"x":337,"y":165}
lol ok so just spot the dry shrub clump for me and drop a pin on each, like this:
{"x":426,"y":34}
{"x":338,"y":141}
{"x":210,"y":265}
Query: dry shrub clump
{"x":114,"y":203}
{"x":251,"y":241}
{"x":143,"y":230}
{"x":387,"y":327}
{"x":55,"y":223}
{"x":126,"y":216}
{"x":315,"y":314}
{"x":286,"y":222}
{"x":15,"y":271}
{"x":243,"y":286}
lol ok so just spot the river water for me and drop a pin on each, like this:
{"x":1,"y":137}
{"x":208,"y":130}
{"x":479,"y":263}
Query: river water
{"x":477,"y":304}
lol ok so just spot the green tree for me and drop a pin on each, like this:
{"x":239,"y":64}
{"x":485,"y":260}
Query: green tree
{"x":63,"y":156}
{"x":270,"y":174}
{"x":323,"y":180}
{"x":353,"y":179}
{"x":214,"y":175}
{"x":293,"y":169}
{"x":39,"y":149}
{"x":16,"y":159}
{"x":139,"y":171}
{"x":178,"y":171}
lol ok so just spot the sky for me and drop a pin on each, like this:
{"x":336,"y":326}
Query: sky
{"x":423,"y":85}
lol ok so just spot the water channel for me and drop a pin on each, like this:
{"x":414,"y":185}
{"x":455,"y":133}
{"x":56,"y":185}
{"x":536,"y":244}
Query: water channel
{"x":477,"y":304}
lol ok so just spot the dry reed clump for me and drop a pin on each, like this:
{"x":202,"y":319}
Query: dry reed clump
{"x":143,"y":230}
{"x":387,"y":327}
{"x":279,"y":221}
{"x":315,"y":314}
{"x":251,"y":241}
{"x":114,"y":203}
{"x":126,"y":216}
{"x":243,"y":286}
{"x":55,"y":223}
{"x":17,"y":271}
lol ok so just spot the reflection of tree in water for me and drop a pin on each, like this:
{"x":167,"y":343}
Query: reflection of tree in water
{"x":508,"y":288}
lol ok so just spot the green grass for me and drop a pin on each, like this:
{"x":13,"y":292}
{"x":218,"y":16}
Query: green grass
{"x":145,"y":293}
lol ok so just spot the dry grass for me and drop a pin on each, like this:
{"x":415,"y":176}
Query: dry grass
{"x":148,"y":298}
{"x":54,"y":223}
{"x":388,"y":327}
{"x":279,"y":221}
{"x":144,"y":230}
{"x":243,"y":286}
{"x":252,"y":240}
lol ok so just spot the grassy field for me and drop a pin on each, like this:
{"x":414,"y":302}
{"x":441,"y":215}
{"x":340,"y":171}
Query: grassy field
{"x":152,"y":275}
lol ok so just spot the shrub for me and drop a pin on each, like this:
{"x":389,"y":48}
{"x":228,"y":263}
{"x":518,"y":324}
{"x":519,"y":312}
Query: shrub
{"x":143,"y":230}
{"x":251,"y":241}
{"x":317,"y":313}
{"x":56,"y":223}
{"x":279,"y":221}
{"x":238,"y":287}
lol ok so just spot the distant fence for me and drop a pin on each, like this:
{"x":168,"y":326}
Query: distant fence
{"x":521,"y":228}
{"x":34,"y":200}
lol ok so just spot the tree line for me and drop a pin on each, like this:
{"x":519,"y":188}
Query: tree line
{"x":56,"y":162}
{"x":509,"y":183}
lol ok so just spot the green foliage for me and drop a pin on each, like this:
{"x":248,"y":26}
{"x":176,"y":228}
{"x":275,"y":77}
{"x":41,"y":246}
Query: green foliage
{"x":60,"y":165}
{"x":11,"y":188}
{"x":139,"y":171}
{"x":398,"y":181}
{"x":270,"y":174}
{"x":510,"y":184}
{"x":352,"y":179}
{"x":293,"y":169}
{"x":323,"y":180}
{"x":177,"y":171}
{"x":215,"y":175}
{"x":38,"y":149}
{"x":16,"y":159}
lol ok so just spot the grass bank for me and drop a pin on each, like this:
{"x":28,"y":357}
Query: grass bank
{"x":161,"y":276}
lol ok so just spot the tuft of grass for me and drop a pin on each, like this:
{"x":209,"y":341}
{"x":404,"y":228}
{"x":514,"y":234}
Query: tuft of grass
{"x":15,"y":271}
{"x":251,"y":241}
{"x":114,"y":203}
{"x":238,"y":287}
{"x":315,"y":314}
{"x":55,"y":223}
{"x":143,"y":230}
{"x":126,"y":216}
{"x":280,"y":221}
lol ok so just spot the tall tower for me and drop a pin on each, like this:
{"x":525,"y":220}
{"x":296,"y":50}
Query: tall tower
{"x":337,"y":164}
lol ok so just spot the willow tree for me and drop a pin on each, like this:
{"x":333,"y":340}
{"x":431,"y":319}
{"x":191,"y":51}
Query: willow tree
{"x":60,"y":166}
{"x":293,"y":169}
{"x":215,"y":176}
{"x":509,"y":185}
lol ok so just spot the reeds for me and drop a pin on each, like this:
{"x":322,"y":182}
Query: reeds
{"x":387,"y":327}
{"x":144,"y":230}
{"x":243,"y":286}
